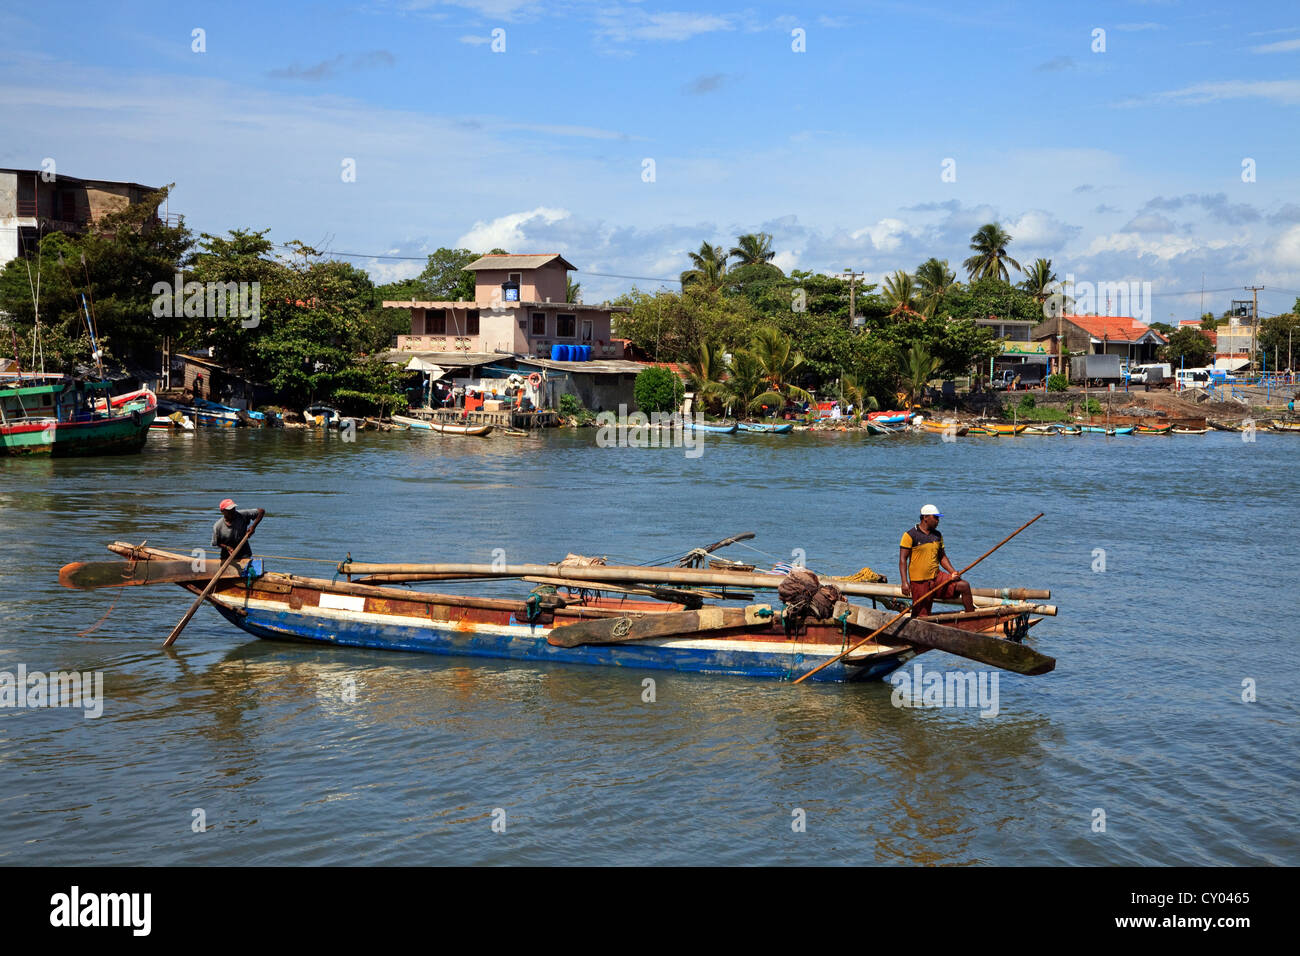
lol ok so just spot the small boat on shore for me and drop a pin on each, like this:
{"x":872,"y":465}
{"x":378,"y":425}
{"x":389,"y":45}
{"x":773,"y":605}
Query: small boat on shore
{"x":876,"y":428}
{"x":1042,"y":430}
{"x":443,"y":428}
{"x":771,"y":428}
{"x":722,"y":428}
{"x":603,"y":619}
{"x":1188,"y":430}
{"x":415,"y":424}
{"x":890,"y":417}
{"x":1002,"y":428}
{"x":945,"y":428}
{"x":1153,"y":429}
{"x":1281,"y":426}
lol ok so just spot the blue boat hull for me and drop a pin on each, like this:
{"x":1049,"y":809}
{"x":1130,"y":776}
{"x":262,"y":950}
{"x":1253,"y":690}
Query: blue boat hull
{"x":525,"y":642}
{"x":720,"y":429}
{"x":772,"y":429}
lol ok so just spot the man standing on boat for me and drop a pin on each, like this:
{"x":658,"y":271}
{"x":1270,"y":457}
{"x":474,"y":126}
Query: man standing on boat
{"x":231,"y":528}
{"x":923,"y":565}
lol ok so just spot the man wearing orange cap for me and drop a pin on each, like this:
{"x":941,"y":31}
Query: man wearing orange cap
{"x":923,"y":564}
{"x":231,"y":528}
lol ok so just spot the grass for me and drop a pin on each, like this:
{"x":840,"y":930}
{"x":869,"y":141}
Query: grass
{"x":1036,"y":414}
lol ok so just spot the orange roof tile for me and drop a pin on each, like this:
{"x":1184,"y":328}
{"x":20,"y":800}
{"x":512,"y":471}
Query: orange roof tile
{"x":1113,"y":328}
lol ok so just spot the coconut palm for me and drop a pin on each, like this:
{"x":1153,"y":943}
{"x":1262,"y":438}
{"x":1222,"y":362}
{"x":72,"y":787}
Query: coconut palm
{"x":1039,"y":280}
{"x":934,"y":279}
{"x":745,"y":380}
{"x":753,"y":249}
{"x":919,"y":366}
{"x":900,"y":294}
{"x":706,"y":372}
{"x":779,"y":364}
{"x":572,"y":290}
{"x":855,"y":395}
{"x":709,"y":265}
{"x":991,"y":259}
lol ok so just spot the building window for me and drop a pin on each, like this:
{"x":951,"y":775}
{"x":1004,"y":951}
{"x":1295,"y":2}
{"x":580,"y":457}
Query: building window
{"x":565,"y":326}
{"x":471,"y":322}
{"x":514,"y":277}
{"x":539,"y":323}
{"x":435,"y":321}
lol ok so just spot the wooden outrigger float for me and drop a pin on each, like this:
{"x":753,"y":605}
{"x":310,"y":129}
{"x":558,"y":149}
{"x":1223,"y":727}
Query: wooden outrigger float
{"x":604,"y":619}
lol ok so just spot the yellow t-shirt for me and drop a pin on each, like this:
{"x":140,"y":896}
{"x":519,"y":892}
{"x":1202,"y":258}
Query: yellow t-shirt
{"x":927,"y":551}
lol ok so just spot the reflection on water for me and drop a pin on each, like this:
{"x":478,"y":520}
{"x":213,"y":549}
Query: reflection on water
{"x":305,"y":755}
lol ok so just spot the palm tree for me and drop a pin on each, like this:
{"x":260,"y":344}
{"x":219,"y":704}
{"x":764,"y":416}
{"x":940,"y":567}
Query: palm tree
{"x":572,"y":290}
{"x":706,"y":372}
{"x":779,"y":363}
{"x":934,"y":279}
{"x":918,"y":368}
{"x":744,"y":380}
{"x":709,"y":265}
{"x":857,"y":396}
{"x":900,"y":293}
{"x":1039,"y":280}
{"x":990,"y":260}
{"x":753,"y":249}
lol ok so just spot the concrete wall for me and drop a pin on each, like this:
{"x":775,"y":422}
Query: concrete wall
{"x":535,"y":285}
{"x":596,"y":392}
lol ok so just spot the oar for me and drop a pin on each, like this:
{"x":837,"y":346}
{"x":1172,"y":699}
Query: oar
{"x":916,"y":601}
{"x":216,"y":578}
{"x":621,"y":630}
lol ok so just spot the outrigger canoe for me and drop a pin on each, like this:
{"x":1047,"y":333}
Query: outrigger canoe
{"x":446,"y":428}
{"x":945,"y":428}
{"x":772,"y":428}
{"x":722,"y":428}
{"x":1154,"y":429}
{"x":1281,"y":426}
{"x":594,"y":624}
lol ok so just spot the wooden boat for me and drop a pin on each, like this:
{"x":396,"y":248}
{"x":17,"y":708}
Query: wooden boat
{"x":1153,"y":429}
{"x":722,"y":428}
{"x":416,"y":424}
{"x":1002,"y":428}
{"x":771,"y":428}
{"x":1225,"y":426}
{"x":1073,"y":431}
{"x":325,"y":416}
{"x":983,"y":431}
{"x":1187,"y":430}
{"x":68,"y":417}
{"x":890,"y":417}
{"x":950,"y":428}
{"x":176,"y":421}
{"x":1281,"y":426}
{"x":585,"y":627}
{"x":876,"y":428}
{"x":1042,"y":430}
{"x":1104,"y":430}
{"x":447,"y":428}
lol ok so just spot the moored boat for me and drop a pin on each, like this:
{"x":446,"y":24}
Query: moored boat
{"x":771,"y":428}
{"x":1187,"y":430}
{"x":722,"y":428}
{"x":945,"y":427}
{"x":876,"y":428}
{"x":1153,"y":429}
{"x":1283,"y":426}
{"x":68,"y":417}
{"x":1003,"y":428}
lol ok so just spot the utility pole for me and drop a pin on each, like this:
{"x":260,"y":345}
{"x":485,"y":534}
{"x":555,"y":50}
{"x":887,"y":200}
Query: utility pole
{"x":853,"y":283}
{"x":1254,"y":317}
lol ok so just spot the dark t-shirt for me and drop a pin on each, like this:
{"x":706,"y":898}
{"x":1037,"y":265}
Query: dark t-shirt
{"x":231,"y":534}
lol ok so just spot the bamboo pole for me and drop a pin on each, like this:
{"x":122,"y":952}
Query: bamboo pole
{"x":643,"y":575}
{"x":901,"y":614}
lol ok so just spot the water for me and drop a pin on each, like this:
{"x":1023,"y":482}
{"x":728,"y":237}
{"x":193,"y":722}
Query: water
{"x":1142,"y":719}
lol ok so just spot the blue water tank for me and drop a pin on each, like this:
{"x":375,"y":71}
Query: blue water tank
{"x":557,"y":353}
{"x":586,"y":353}
{"x":566,"y":353}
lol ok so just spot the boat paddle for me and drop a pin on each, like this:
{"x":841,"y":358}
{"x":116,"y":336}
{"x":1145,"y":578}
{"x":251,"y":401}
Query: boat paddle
{"x":176,"y":631}
{"x":915,"y":601}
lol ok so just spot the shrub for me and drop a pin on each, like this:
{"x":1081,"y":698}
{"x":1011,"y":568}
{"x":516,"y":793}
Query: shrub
{"x":658,"y":390}
{"x":1093,"y":407}
{"x":1057,"y":382}
{"x":1027,"y":403}
{"x":570,"y":404}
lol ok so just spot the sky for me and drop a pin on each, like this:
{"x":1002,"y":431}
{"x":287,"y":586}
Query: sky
{"x":1153,"y":141}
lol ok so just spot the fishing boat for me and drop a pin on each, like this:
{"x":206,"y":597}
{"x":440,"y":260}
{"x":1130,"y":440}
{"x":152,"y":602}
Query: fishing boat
{"x":1042,"y":430}
{"x":326,"y":416}
{"x":722,"y":428}
{"x":603,"y":619}
{"x":1281,"y":426}
{"x":415,"y":424}
{"x":771,"y":428}
{"x":1107,"y":430}
{"x":69,"y":417}
{"x":1225,"y":426}
{"x":876,"y":428}
{"x":890,"y":417}
{"x":176,"y":421}
{"x":982,"y":430}
{"x":1188,"y":430}
{"x":1002,"y":428}
{"x":447,"y":428}
{"x":1072,"y":431}
{"x":1153,"y":429}
{"x":947,"y":427}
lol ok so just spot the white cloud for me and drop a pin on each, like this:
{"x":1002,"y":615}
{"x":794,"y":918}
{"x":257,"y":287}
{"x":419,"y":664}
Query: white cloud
{"x":1162,"y":247}
{"x":1281,"y":46}
{"x":787,"y":260}
{"x":1287,"y":249}
{"x":886,"y":235}
{"x":1037,"y":227}
{"x":621,"y":24}
{"x":474,"y":40}
{"x":1280,"y":91}
{"x":507,"y":232}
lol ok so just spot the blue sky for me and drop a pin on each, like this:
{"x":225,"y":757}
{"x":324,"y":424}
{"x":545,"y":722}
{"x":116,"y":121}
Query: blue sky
{"x":1122,"y":164}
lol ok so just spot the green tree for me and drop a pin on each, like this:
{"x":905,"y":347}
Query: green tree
{"x":1039,"y":280}
{"x":658,"y":390}
{"x":706,"y":375}
{"x":1189,"y":347}
{"x":900,"y":294}
{"x":572,"y":290}
{"x":745,"y":381}
{"x":919,"y":367}
{"x":991,"y":257}
{"x":1279,"y":340}
{"x":780,"y":365}
{"x":753,"y":249}
{"x":708,"y":266}
{"x":444,"y":278}
{"x":933,"y":280}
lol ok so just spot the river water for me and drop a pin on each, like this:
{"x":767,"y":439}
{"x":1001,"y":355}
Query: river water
{"x":1173,"y":561}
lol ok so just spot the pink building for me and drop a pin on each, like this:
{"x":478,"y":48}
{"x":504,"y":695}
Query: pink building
{"x":519,"y":308}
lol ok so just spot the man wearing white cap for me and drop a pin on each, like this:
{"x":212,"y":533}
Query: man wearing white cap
{"x":231,"y":528}
{"x":923,"y":565}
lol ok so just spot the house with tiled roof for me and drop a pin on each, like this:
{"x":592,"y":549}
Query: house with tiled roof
{"x":1120,"y":335}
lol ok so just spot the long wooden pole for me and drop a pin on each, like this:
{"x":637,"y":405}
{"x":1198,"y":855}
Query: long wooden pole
{"x":901,"y":614}
{"x":176,"y":631}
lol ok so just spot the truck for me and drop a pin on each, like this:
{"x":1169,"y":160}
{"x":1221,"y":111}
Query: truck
{"x":1099,"y":369}
{"x":1025,"y":375}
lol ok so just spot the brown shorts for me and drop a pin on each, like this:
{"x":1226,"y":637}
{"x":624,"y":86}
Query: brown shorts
{"x":947,"y":590}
